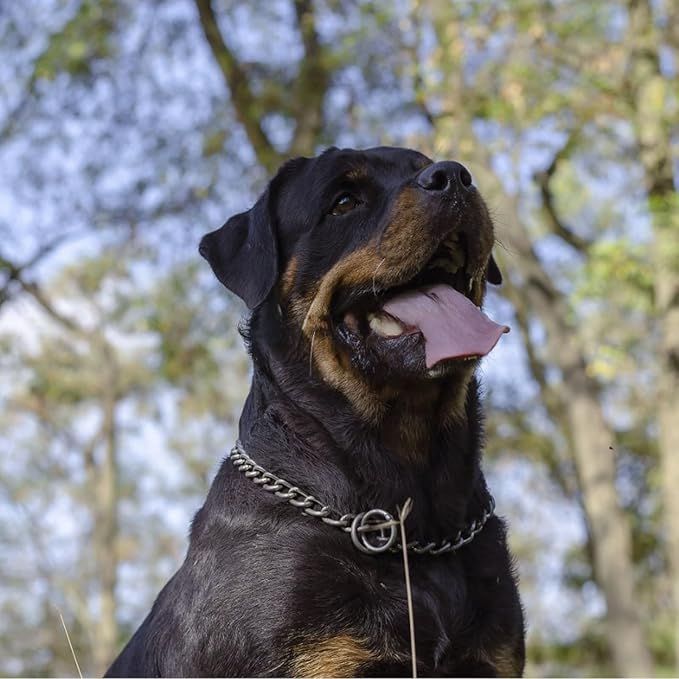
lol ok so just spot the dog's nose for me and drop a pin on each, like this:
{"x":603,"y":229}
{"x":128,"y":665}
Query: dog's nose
{"x":446,"y":176}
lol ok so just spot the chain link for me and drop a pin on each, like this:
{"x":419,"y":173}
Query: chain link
{"x":356,"y":524}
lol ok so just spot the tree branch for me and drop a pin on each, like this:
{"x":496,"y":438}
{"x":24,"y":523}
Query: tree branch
{"x":554,"y":222}
{"x":419,"y":89}
{"x":14,"y":272}
{"x":36,"y":292}
{"x":550,"y":396}
{"x":244,"y":102}
{"x":311,"y":84}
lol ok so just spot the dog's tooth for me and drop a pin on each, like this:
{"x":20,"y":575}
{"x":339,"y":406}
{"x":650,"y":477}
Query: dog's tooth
{"x":384,"y":325}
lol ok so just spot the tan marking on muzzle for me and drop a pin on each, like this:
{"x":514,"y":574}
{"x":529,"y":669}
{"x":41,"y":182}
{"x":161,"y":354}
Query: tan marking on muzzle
{"x":399,"y":254}
{"x":388,"y":260}
{"x":354,"y":271}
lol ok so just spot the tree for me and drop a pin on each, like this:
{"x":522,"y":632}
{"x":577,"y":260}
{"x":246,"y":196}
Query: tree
{"x":652,"y":96}
{"x":132,"y":128}
{"x":573,"y":399}
{"x":88,"y":375}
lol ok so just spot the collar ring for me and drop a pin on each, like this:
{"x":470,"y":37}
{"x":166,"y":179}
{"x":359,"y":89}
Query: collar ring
{"x":374,"y":531}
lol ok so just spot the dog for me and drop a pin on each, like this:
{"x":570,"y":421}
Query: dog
{"x":363,"y":272}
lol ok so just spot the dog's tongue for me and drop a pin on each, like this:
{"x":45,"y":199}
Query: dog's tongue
{"x":452,"y":326}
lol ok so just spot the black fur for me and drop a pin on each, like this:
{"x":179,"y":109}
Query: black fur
{"x":246,"y":243}
{"x":262,"y":583}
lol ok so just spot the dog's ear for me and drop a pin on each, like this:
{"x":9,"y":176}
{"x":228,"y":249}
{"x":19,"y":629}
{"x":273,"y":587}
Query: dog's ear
{"x":493,"y":274}
{"x":243,"y":254}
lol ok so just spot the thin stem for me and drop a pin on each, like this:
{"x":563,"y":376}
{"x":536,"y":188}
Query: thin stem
{"x":70,"y":645}
{"x":402,"y":516}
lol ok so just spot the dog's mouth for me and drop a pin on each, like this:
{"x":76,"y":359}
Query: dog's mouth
{"x":435,"y":310}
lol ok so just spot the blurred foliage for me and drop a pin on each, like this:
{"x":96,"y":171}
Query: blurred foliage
{"x":81,"y":42}
{"x":125,"y":134}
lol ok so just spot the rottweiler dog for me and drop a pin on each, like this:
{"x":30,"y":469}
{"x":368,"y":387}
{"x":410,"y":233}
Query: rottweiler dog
{"x":364,"y":272}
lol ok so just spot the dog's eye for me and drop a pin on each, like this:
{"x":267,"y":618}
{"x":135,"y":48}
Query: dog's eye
{"x":345,"y":203}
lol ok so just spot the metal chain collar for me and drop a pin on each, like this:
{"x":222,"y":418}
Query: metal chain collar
{"x":372,"y":532}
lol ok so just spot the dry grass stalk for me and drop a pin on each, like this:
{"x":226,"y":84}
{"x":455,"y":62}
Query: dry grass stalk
{"x":402,"y":516}
{"x":70,"y":645}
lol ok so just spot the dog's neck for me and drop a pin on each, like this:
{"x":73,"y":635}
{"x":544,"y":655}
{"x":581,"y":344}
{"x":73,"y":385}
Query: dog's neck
{"x":309,"y":433}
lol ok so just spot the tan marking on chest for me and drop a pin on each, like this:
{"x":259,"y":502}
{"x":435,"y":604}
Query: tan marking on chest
{"x":505,"y":659}
{"x":339,"y":656}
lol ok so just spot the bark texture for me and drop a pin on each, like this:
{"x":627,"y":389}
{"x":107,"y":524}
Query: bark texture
{"x":649,"y":98}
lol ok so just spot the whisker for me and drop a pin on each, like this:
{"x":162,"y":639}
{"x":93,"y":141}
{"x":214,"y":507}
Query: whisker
{"x":375,"y":276}
{"x":311,"y":354}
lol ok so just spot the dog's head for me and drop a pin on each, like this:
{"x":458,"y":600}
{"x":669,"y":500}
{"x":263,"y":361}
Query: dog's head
{"x":375,"y":263}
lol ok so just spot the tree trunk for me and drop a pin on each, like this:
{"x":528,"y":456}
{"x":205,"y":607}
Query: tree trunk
{"x":106,"y":531}
{"x":611,"y":536}
{"x":592,"y":440}
{"x":307,"y":95}
{"x":594,"y":457}
{"x":650,"y":90}
{"x":667,"y":307}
